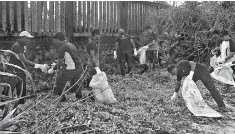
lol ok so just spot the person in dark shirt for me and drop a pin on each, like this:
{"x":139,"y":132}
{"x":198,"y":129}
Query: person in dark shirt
{"x":147,"y":38}
{"x":195,"y":71}
{"x":21,"y":61}
{"x":92,"y":50}
{"x":124,"y":45}
{"x":72,"y":68}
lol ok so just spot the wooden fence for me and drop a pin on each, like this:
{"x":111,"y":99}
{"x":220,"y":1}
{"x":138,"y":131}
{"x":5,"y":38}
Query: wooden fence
{"x":76,"y":18}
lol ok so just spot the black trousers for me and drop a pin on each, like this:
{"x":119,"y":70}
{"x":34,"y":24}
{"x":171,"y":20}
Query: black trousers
{"x":209,"y":84}
{"x":123,"y":59}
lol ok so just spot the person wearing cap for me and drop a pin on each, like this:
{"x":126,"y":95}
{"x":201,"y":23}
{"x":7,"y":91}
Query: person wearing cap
{"x":19,"y":48}
{"x":147,"y":38}
{"x":124,"y":45}
{"x":92,"y":50}
{"x":72,"y":68}
{"x":196,"y":71}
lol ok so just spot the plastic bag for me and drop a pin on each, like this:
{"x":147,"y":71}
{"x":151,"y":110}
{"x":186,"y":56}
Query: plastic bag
{"x":142,"y":55}
{"x":223,"y":74}
{"x":195,"y":102}
{"x":101,"y":89}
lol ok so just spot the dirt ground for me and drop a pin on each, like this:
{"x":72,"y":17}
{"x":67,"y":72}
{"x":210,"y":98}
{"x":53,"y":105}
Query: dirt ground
{"x":144,"y":107}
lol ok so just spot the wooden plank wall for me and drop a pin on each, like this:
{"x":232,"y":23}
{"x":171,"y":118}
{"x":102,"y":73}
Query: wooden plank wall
{"x":49,"y":17}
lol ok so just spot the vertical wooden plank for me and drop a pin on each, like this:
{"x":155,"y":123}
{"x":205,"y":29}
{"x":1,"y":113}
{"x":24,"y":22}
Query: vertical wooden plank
{"x":26,"y":17}
{"x":124,"y":17}
{"x":133,"y":16}
{"x":96,"y":15}
{"x":100,"y":16}
{"x":88,"y":16}
{"x":4,"y":16}
{"x":108,"y":16}
{"x":79,"y":16}
{"x":141,"y":16}
{"x":111,"y":16}
{"x":129,"y":17}
{"x":45,"y":17}
{"x":104,"y":16}
{"x":34,"y":15}
{"x":18,"y":16}
{"x":69,"y":19}
{"x":92,"y":14}
{"x":51,"y":16}
{"x":115,"y":16}
{"x":62,"y":16}
{"x":0,"y":15}
{"x":118,"y":14}
{"x":136,"y":17}
{"x":39,"y":16}
{"x":84,"y":16}
{"x":57,"y":17}
{"x":11,"y":16}
{"x":75,"y":24}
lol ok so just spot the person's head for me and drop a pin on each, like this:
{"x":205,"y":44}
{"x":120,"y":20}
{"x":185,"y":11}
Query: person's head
{"x":215,"y":34}
{"x":148,"y":29}
{"x":24,"y":37}
{"x":59,"y":38}
{"x":121,"y":32}
{"x":95,"y":33}
{"x":225,"y":35}
{"x":172,"y":69}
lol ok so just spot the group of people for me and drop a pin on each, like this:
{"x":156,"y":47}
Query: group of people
{"x":124,"y":50}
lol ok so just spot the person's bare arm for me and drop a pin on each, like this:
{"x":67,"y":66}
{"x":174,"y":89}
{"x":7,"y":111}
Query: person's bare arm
{"x":25,"y":61}
{"x":94,"y":58}
{"x":116,"y":46}
{"x":177,"y":87}
{"x":132,"y":43}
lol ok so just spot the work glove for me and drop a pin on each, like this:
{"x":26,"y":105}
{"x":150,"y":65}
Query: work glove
{"x":221,"y":61}
{"x":97,"y":70}
{"x":43,"y":67}
{"x":115,"y":54}
{"x":190,"y":76}
{"x":174,"y":96}
{"x":228,"y":64}
{"x":145,"y":47}
{"x":135,"y":52}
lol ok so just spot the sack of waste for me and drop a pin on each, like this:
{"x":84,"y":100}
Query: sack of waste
{"x":194,"y":101}
{"x":101,"y":89}
{"x":223,"y":74}
{"x":142,"y":55}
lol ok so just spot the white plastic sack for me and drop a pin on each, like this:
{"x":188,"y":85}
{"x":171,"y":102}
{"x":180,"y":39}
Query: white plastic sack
{"x":142,"y":55}
{"x":101,"y":89}
{"x":223,"y":74}
{"x":195,"y":102}
{"x":225,"y":50}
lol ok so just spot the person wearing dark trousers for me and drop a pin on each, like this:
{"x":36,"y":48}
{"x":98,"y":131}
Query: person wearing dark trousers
{"x":124,"y":45}
{"x":146,"y":38}
{"x":196,"y":71}
{"x":72,"y":68}
{"x":92,"y":50}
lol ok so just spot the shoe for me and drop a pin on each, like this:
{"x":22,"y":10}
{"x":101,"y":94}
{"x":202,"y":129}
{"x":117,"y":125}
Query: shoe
{"x":63,"y":98}
{"x":224,"y":109}
{"x":79,"y":94}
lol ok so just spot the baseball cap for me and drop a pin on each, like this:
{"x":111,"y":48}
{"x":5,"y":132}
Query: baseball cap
{"x":121,"y":31}
{"x":26,"y":34}
{"x":60,"y":36}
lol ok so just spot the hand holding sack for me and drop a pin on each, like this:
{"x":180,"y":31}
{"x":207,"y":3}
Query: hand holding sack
{"x":101,"y":89}
{"x":115,"y":55}
{"x":135,"y":52}
{"x":142,"y":54}
{"x":174,"y":96}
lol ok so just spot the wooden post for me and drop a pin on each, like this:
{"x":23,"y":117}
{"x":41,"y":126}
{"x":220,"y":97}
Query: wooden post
{"x":92,"y":14}
{"x":84,"y":16}
{"x":11,"y":16}
{"x":96,"y":15}
{"x":57,"y":17}
{"x":18,"y":16}
{"x":4,"y":16}
{"x":39,"y":16}
{"x":100,"y":16}
{"x":104,"y":16}
{"x":111,"y":17}
{"x":51,"y":16}
{"x":118,"y":14}
{"x":115,"y":17}
{"x":88,"y":16}
{"x":108,"y":17}
{"x":69,"y":19}
{"x":80,"y":16}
